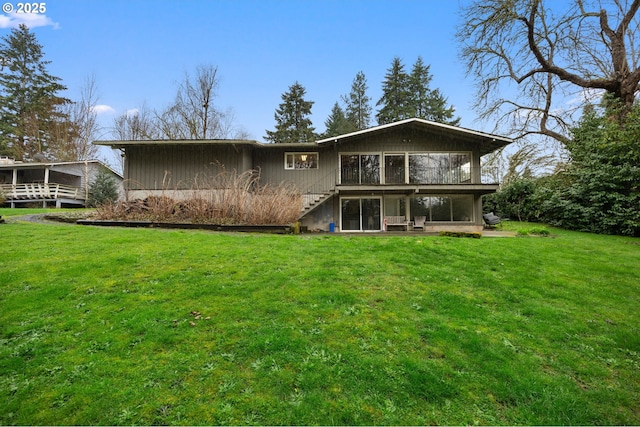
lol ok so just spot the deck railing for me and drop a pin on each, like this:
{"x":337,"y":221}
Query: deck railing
{"x":41,"y":191}
{"x":422,"y":176}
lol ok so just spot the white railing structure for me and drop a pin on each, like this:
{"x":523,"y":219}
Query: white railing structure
{"x":41,"y":192}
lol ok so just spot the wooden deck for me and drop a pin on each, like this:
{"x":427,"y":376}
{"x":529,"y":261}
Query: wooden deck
{"x":45,"y":193}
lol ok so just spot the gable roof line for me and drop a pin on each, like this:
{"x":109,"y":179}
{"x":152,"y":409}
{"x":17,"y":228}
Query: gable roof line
{"x":416,"y":120}
{"x":427,"y":123}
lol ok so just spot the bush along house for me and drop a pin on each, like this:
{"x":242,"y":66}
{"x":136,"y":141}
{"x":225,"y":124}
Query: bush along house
{"x":408,"y":175}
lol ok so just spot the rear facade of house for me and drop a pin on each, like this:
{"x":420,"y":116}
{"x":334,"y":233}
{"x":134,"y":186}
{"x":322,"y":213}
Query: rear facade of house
{"x":412,"y":173}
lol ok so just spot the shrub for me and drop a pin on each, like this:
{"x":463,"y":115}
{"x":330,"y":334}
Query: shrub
{"x":599,"y":190}
{"x":535,"y":231}
{"x":103,"y":189}
{"x":515,"y":200}
{"x":473,"y":235}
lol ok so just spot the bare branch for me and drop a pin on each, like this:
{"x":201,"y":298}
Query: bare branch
{"x":540,"y":56}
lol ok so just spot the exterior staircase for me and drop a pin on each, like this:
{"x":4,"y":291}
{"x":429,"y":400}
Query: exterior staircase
{"x":311,"y":201}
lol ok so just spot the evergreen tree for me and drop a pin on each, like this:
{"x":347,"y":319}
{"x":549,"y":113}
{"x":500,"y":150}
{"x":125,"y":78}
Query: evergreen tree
{"x":599,"y":190}
{"x":358,"y":107}
{"x":438,"y":111}
{"x":337,"y":123}
{"x":104,"y":189}
{"x":419,"y":81}
{"x":292,"y":118}
{"x":30,"y":108}
{"x":396,"y":97}
{"x":426,"y":103}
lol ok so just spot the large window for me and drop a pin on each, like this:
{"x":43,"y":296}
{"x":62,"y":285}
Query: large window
{"x":419,"y":169}
{"x":443,"y":208}
{"x":405,"y":168}
{"x":301,"y":161}
{"x":460,"y":167}
{"x":360,"y":168}
{"x":394,"y":169}
{"x":395,"y":205}
{"x":462,"y":208}
{"x":439,"y":168}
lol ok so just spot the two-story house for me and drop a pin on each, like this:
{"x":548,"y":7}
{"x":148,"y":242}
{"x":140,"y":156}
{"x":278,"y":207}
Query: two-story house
{"x":408,"y":173}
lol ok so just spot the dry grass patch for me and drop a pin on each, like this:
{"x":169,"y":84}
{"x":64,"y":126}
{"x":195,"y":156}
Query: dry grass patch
{"x":227,"y":198}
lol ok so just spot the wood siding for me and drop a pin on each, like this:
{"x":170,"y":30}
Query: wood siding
{"x":171,"y":167}
{"x":270,"y":162}
{"x":179,"y":166}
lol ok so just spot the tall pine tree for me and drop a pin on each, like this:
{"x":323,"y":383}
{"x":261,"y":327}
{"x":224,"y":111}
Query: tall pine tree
{"x":358,"y":104}
{"x":292,"y":118}
{"x":410,"y":95}
{"x":396,"y":96}
{"x":438,"y":111}
{"x":337,"y":124}
{"x":427,"y":103}
{"x":30,"y":107}
{"x":419,"y":81}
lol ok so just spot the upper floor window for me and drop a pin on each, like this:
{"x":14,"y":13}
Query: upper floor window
{"x":439,"y":168}
{"x":360,"y":168}
{"x":405,"y":168}
{"x":301,"y":161}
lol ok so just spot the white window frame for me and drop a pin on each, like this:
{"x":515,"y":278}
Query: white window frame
{"x":362,"y":229}
{"x":302,"y":160}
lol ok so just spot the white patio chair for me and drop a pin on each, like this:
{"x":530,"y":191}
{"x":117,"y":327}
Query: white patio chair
{"x":418,"y":222}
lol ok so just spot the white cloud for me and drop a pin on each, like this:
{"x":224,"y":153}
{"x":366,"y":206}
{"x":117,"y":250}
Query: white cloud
{"x":132,"y":112}
{"x":31,"y":20}
{"x":103,"y":109}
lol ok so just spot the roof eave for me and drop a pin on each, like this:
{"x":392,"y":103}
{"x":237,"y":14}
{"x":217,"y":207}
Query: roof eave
{"x":498,"y":141}
{"x":130,"y":143}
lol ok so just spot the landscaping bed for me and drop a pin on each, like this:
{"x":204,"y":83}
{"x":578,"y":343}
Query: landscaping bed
{"x":275,"y":229}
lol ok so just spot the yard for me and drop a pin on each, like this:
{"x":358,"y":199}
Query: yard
{"x":148,"y":326}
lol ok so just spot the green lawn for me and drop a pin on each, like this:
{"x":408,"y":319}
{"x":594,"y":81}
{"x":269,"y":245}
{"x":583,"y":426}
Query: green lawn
{"x":148,"y":326}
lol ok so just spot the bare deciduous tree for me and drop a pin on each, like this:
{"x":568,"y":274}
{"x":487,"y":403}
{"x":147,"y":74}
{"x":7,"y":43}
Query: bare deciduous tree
{"x":528,"y":161}
{"x":528,"y":59}
{"x":193,"y":114}
{"x":74,"y":135}
{"x":135,"y":125}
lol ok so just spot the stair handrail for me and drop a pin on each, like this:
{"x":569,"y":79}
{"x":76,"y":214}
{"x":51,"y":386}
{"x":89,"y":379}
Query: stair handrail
{"x":324,"y":184}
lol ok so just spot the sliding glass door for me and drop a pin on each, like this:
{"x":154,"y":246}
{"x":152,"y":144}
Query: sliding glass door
{"x":360,"y":214}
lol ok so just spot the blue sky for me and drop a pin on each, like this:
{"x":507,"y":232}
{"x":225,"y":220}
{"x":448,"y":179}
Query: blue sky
{"x":139,"y":49}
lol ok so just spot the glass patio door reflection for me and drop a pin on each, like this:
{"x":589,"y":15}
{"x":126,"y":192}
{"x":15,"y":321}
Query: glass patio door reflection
{"x":360,"y":214}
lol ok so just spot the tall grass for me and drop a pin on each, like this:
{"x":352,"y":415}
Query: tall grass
{"x":226,"y":198}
